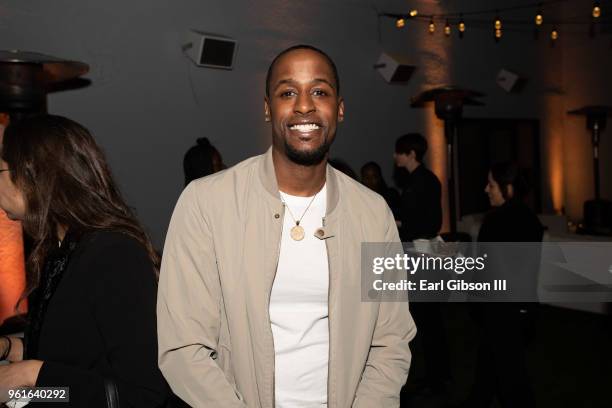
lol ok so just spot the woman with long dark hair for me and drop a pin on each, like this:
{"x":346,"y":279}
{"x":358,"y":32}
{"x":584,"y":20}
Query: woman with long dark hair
{"x":91,"y":274}
{"x":506,"y":327}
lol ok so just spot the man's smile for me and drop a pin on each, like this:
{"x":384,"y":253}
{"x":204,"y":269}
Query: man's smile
{"x":305,"y":127}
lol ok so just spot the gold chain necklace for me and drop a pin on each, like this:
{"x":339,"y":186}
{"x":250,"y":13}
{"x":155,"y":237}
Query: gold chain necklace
{"x":297,"y":232}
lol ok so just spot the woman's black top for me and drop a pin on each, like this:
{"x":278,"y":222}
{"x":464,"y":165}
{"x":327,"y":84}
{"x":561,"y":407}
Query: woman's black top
{"x":511,"y":222}
{"x":93,"y":322}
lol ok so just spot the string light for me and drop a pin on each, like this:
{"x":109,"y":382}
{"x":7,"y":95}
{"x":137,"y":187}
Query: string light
{"x":539,"y":19}
{"x":596,"y":10}
{"x":498,"y":23}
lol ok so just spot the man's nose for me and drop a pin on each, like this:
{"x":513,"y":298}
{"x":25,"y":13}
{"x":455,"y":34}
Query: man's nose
{"x":304,"y":104}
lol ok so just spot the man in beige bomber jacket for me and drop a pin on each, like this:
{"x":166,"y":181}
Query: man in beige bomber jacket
{"x":245,"y":244}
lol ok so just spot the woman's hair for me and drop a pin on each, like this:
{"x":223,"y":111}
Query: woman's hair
{"x":198,"y":161}
{"x":66,"y":182}
{"x":508,"y":174}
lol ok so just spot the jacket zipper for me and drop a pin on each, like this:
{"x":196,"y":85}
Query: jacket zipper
{"x":329,"y":331}
{"x":282,"y":218}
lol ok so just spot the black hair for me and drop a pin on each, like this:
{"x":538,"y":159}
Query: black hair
{"x":382,"y":186}
{"x":302,"y":47}
{"x":409,"y":142}
{"x":508,"y":174}
{"x":198,"y":161}
{"x":343,"y":166}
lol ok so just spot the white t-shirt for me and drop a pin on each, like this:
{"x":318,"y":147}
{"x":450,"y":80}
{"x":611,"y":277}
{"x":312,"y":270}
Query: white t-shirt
{"x":298,"y":309}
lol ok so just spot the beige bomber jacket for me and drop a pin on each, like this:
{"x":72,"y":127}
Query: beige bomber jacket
{"x":215,"y":340}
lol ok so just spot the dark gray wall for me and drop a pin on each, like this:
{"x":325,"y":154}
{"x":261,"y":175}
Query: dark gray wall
{"x":147,"y":103}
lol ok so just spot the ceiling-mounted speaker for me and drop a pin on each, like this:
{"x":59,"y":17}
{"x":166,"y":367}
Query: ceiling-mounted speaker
{"x":510,"y":81}
{"x":209,"y":50}
{"x":394,"y":68}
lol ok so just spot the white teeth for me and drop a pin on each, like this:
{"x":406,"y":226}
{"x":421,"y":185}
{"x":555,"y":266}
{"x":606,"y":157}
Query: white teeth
{"x":307,"y":127}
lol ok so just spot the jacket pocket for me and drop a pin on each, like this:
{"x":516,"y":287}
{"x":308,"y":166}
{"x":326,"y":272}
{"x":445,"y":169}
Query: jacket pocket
{"x":224,"y":361}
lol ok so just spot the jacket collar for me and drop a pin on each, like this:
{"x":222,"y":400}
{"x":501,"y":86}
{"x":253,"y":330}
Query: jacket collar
{"x":267,"y":176}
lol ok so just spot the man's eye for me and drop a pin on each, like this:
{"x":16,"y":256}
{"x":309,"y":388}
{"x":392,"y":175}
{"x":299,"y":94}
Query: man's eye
{"x":319,"y":92}
{"x":286,"y":94}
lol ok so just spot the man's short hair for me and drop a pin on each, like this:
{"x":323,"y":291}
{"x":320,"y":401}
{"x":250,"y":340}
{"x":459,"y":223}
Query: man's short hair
{"x":302,"y":47}
{"x":409,"y":142}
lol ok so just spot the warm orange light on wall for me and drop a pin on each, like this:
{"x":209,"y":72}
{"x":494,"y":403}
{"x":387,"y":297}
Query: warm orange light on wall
{"x":553,"y":158}
{"x":12,"y":275}
{"x":435,"y":59}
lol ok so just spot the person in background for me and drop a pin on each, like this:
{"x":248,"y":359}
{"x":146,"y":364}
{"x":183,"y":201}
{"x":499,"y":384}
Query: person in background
{"x":372,"y":177}
{"x":201,"y":160}
{"x":421,"y":205}
{"x":510,"y":219}
{"x":421,"y":218}
{"x":343,"y":166}
{"x":91,"y":275}
{"x":505,"y":328}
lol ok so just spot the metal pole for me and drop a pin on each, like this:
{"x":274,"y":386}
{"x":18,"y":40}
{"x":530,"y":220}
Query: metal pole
{"x":596,"y":158}
{"x":449,"y":132}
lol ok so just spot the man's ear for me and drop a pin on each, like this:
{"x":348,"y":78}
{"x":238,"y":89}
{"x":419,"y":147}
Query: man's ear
{"x":510,"y":190}
{"x":266,"y":109}
{"x":340,"y":109}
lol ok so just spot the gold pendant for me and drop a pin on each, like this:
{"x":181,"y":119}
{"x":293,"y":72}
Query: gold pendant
{"x":297,"y":233}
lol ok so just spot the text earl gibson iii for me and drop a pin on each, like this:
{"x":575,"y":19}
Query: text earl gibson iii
{"x":433,"y":286}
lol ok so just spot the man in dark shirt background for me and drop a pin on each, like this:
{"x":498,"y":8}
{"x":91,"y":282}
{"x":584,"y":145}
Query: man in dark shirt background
{"x":421,"y":216}
{"x":421,"y":208}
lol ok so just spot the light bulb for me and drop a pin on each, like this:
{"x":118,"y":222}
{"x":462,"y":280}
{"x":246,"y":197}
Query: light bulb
{"x":596,"y":10}
{"x":539,"y":19}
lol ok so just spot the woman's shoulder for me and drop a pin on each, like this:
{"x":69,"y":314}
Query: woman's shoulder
{"x":104,"y":247}
{"x":104,"y":240}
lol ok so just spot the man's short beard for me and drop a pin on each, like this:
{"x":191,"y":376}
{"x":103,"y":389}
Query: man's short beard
{"x":307,"y":158}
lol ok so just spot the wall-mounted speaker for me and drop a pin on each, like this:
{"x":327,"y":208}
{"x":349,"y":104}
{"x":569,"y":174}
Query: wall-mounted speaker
{"x":208,"y":50}
{"x":394,"y":68}
{"x":509,"y":81}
